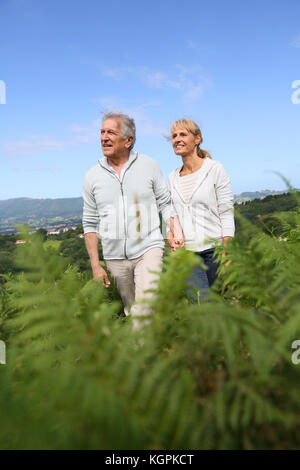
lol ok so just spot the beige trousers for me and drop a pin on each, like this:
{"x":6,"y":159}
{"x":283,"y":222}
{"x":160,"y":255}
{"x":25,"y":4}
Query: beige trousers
{"x":133,"y":278}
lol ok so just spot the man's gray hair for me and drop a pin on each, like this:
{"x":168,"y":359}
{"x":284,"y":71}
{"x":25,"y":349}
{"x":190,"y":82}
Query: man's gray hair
{"x":128,"y":125}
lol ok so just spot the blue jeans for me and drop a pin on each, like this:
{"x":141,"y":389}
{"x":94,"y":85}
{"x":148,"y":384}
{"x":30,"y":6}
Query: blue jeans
{"x":201,"y":279}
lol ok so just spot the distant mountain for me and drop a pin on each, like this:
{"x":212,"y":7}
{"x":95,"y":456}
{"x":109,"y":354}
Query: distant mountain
{"x":39,"y":212}
{"x":68,"y":211}
{"x":249,"y":196}
{"x":24,"y":208}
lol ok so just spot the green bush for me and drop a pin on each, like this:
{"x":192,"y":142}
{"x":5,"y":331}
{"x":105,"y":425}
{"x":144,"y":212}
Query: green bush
{"x":215,"y":375}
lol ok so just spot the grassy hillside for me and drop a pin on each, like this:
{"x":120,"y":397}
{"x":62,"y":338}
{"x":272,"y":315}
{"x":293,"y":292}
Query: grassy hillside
{"x":269,"y":205}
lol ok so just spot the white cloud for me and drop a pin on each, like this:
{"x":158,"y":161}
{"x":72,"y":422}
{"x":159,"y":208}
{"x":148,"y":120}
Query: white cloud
{"x":193,"y":82}
{"x":85,"y":133}
{"x":296,"y":42}
{"x":82,"y":134}
{"x":110,"y":102}
{"x":152,"y":78}
{"x":158,"y":79}
{"x":191,"y":44}
{"x":189,"y":82}
{"x":139,"y":112}
{"x":193,"y":93}
{"x":34,"y":145}
{"x":47,"y":170}
{"x":112,"y":72}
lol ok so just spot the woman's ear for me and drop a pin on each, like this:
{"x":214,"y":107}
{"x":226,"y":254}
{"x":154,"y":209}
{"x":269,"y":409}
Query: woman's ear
{"x":198,"y":139}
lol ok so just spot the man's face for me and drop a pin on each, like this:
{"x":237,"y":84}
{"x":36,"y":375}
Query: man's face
{"x":112,"y":142}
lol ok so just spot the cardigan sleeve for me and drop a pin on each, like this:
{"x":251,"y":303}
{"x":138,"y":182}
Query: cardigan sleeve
{"x":90,"y":218}
{"x":169,"y":186}
{"x":225,"y":201}
{"x":162,"y":195}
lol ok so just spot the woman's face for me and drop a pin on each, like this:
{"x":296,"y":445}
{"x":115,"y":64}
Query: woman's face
{"x":184,"y":142}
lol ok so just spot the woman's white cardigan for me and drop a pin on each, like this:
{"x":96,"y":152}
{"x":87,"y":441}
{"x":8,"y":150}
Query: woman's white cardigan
{"x":208,"y":216}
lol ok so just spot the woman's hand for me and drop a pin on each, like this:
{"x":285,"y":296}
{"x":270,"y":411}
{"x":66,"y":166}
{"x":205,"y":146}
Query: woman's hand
{"x":170,"y":241}
{"x":228,"y":262}
{"x":224,"y":253}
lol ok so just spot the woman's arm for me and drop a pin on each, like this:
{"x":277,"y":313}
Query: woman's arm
{"x":224,"y":197}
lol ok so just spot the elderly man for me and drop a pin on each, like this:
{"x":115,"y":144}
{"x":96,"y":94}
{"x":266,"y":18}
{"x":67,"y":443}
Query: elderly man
{"x":122,"y":196}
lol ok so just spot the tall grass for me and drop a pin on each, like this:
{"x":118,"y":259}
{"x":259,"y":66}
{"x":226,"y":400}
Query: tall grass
{"x":215,"y":375}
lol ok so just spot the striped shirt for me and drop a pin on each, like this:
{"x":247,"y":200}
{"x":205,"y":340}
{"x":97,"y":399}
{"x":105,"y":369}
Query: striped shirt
{"x":187,"y":184}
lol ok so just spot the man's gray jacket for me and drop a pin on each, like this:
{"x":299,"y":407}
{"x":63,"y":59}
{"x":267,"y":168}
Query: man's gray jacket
{"x":125,"y":213}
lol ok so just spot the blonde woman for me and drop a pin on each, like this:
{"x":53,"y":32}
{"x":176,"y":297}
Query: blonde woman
{"x":203,"y":199}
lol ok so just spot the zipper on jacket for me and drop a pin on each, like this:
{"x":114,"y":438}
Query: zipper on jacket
{"x":121,"y":187}
{"x":125,"y":233}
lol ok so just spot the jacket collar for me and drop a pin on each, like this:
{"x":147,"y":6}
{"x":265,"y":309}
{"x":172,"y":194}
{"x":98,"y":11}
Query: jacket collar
{"x":104,"y":163}
{"x":208,"y":164}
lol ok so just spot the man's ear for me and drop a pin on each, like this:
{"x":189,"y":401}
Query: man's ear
{"x":128,"y":142}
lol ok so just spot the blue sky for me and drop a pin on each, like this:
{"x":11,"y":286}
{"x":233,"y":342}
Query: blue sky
{"x":229,"y":65}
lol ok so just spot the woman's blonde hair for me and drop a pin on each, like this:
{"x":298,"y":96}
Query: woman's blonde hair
{"x":192,"y":127}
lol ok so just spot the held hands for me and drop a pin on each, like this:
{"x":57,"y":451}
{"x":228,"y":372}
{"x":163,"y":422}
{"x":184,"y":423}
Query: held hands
{"x":99,"y":273}
{"x":175,"y":237}
{"x":175,"y":241}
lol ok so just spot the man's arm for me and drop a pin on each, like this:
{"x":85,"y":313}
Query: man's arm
{"x":91,"y":243}
{"x":90,"y":222}
{"x":164,"y":201}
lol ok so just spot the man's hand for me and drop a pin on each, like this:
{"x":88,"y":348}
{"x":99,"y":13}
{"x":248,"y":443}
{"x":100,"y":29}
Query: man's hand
{"x":91,"y":243}
{"x":98,"y":273}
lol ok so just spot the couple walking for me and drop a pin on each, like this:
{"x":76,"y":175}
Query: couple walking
{"x":123,"y":195}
